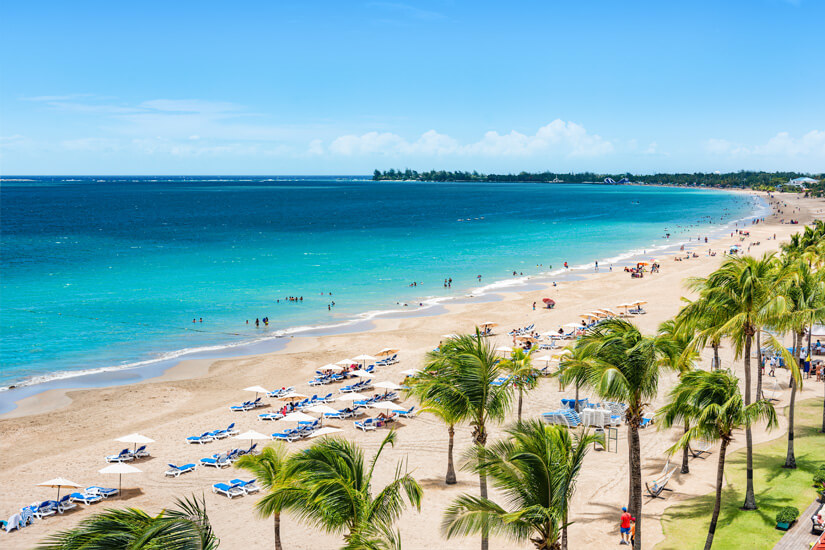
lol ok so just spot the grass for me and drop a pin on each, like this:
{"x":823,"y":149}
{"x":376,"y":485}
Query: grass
{"x":686,"y":525}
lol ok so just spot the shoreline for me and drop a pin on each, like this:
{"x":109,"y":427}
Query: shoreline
{"x":156,"y":368}
{"x":78,"y":430}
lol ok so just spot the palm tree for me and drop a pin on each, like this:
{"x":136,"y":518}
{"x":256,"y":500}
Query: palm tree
{"x":535,"y":469}
{"x":185,"y":527}
{"x":623,"y":365}
{"x":337,"y":493}
{"x":804,"y":299}
{"x":745,"y":291}
{"x":712,"y":403}
{"x":525,"y":376}
{"x":270,"y":469}
{"x":468,"y":366}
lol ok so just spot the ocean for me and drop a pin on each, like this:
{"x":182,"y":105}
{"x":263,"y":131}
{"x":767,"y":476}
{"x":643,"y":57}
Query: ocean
{"x":103,"y":273}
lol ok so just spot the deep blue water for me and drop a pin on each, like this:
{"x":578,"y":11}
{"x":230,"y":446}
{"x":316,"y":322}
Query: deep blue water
{"x":112,"y":272}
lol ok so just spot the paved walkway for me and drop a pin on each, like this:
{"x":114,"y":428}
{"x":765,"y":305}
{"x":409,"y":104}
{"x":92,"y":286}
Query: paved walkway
{"x":799,"y":537}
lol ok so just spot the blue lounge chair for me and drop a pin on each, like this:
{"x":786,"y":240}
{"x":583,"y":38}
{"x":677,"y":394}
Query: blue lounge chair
{"x":85,"y":498}
{"x":123,"y":456}
{"x":175,"y":471}
{"x":646,"y":422}
{"x":216,"y":461}
{"x":141,"y":452}
{"x":65,"y":504}
{"x":270,"y":416}
{"x":248,"y":487}
{"x":205,"y":437}
{"x":44,"y":509}
{"x":243,"y":407}
{"x":407,"y":413}
{"x":365,"y":425}
{"x":287,"y":435}
{"x":228,"y":490}
{"x":335,"y":416}
{"x":250,"y":451}
{"x":105,"y":492}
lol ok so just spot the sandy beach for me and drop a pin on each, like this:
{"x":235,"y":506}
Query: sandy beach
{"x":68,"y":433}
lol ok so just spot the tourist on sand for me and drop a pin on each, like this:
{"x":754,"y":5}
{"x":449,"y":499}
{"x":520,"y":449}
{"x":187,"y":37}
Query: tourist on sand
{"x":625,"y":526}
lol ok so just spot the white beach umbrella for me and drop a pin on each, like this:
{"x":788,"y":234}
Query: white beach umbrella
{"x":322,"y":409}
{"x":352,"y":396}
{"x":324,"y":431}
{"x":345,"y":362}
{"x":488,"y":324}
{"x":333,"y":368}
{"x":252,"y":435}
{"x":298,"y":416}
{"x":410,"y":372}
{"x":504,"y":349}
{"x":135,"y":438}
{"x":292,"y":396}
{"x":257,"y":390}
{"x":58,"y":482}
{"x":120,"y":468}
{"x":387,"y":405}
{"x":544,"y":357}
{"x":386,"y":351}
{"x":362,"y":373}
{"x":364,"y":358}
{"x":389,"y":385}
{"x":572,"y":325}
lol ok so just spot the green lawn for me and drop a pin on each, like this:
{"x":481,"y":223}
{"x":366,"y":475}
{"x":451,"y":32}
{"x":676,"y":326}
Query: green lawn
{"x":686,"y":525}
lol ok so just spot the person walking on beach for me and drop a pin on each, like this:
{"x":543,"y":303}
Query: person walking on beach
{"x":625,"y":526}
{"x":534,"y":306}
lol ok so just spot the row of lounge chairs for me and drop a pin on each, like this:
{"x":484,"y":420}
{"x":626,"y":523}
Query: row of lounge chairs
{"x":226,"y":459}
{"x":369,"y":424}
{"x":389,"y":360}
{"x":127,"y":455}
{"x":282,"y":391}
{"x":359,"y":386}
{"x":248,"y":405}
{"x":46,"y":508}
{"x":208,"y":437}
{"x":522,"y":331}
{"x":304,"y":429}
{"x":235,"y":488}
{"x":323,"y":379}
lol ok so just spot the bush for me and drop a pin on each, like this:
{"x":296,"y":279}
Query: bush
{"x":787,"y":514}
{"x":819,"y":476}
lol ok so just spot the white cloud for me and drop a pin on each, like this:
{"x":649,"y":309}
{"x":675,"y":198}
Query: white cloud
{"x":782,"y":145}
{"x":558,"y":137}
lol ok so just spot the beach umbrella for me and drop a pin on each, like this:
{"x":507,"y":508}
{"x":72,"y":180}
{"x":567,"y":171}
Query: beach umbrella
{"x":345,"y":362}
{"x":58,"y":482}
{"x":549,"y":301}
{"x":120,"y":468}
{"x":572,"y":325}
{"x":363,"y":358}
{"x":504,"y":349}
{"x":298,"y":416}
{"x":639,"y":302}
{"x":589,"y":316}
{"x":545,"y":357}
{"x":322,"y":409}
{"x":352,"y":396}
{"x":488,"y":324}
{"x":387,"y":405}
{"x":333,"y":368}
{"x":362,"y":373}
{"x":257,"y":390}
{"x":292,"y":396}
{"x":526,"y":339}
{"x":386,"y":351}
{"x":410,"y":372}
{"x":324,"y":431}
{"x":135,"y":438}
{"x":252,"y":435}
{"x":389,"y":385}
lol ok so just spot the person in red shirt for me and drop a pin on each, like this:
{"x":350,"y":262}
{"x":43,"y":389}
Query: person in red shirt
{"x":625,"y":526}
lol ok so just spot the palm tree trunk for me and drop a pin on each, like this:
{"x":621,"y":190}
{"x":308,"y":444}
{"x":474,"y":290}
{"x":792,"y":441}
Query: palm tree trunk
{"x":450,"y":480}
{"x":519,"y":403}
{"x":715,"y":356}
{"x":277,"y":520}
{"x":564,"y":532}
{"x":576,"y":402}
{"x":481,"y":439}
{"x":790,"y":458}
{"x":750,"y":498}
{"x":759,"y":364}
{"x":635,"y":482}
{"x":720,"y":479}
{"x":685,"y":452}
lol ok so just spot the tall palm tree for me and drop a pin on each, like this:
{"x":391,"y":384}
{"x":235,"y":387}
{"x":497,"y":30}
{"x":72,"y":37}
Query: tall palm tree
{"x":623,"y":365}
{"x":338,"y":493}
{"x":185,"y":527}
{"x":525,"y":376}
{"x":535,"y":469}
{"x":745,"y":289}
{"x":468,"y":366}
{"x":712,"y":403}
{"x":804,"y":300}
{"x":703,"y":321}
{"x":270,"y":469}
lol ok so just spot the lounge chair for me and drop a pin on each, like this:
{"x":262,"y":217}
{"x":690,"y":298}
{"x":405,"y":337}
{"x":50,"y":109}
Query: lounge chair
{"x":365,"y":425}
{"x":335,"y":416}
{"x":702,"y":448}
{"x":646,"y":422}
{"x":216,"y":461}
{"x":250,"y":451}
{"x":270,"y":416}
{"x":243,"y":407}
{"x":105,"y":492}
{"x":205,"y":437}
{"x":44,"y":509}
{"x":123,"y":456}
{"x":287,"y":435}
{"x":175,"y":471}
{"x":248,"y":487}
{"x":228,"y":490}
{"x":85,"y":498}
{"x":141,"y":452}
{"x":656,"y":486}
{"x":408,"y":413}
{"x":65,"y":504}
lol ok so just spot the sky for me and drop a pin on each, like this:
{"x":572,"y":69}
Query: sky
{"x":345,"y":87}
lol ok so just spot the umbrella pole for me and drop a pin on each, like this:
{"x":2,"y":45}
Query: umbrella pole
{"x":120,"y":485}
{"x":58,"y":493}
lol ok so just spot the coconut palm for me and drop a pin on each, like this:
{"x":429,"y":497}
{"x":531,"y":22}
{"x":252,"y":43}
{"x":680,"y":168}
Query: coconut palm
{"x":623,"y":365}
{"x":712,"y":403}
{"x":185,"y":527}
{"x":745,"y":290}
{"x":525,"y":376}
{"x":468,"y":366}
{"x":338,"y":497}
{"x":804,"y":300}
{"x":270,"y":470}
{"x":535,"y":469}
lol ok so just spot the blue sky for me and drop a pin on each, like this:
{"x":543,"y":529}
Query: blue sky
{"x":314,"y":87}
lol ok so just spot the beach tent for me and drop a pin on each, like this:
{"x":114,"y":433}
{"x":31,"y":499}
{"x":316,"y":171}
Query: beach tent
{"x":120,"y":468}
{"x":59,"y":482}
{"x":135,"y":438}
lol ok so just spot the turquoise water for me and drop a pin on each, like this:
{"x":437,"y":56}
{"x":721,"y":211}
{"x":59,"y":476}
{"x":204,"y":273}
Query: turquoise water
{"x":108,"y":272}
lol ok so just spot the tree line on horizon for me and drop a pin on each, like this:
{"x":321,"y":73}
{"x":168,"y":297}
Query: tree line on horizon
{"x":751,"y":179}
